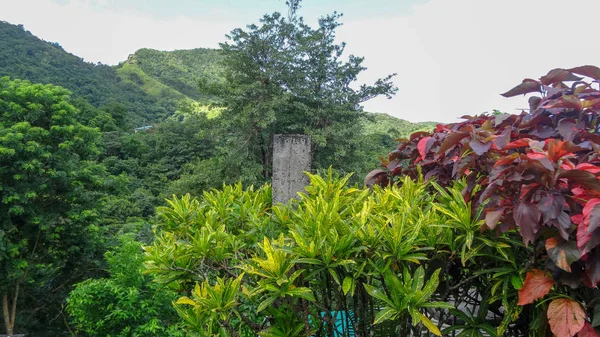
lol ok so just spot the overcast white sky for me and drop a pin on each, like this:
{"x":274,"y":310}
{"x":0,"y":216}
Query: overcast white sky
{"x":453,"y":57}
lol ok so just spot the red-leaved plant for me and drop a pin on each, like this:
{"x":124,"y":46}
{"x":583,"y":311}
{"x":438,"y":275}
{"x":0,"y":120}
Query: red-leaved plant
{"x":539,"y":174}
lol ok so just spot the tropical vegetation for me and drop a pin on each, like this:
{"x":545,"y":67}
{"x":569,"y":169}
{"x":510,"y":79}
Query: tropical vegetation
{"x":534,"y":174}
{"x":136,"y":198}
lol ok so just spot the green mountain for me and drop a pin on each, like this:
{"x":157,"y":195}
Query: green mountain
{"x":173,"y":74}
{"x":381,"y":123}
{"x":24,"y":56}
{"x":150,"y":84}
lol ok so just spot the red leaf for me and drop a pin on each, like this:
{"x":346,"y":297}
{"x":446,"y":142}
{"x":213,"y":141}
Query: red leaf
{"x":557,"y":149}
{"x":562,"y":104}
{"x":478,"y":147}
{"x":562,"y":253}
{"x":451,"y":139}
{"x":558,"y":75}
{"x":503,"y":138}
{"x":532,"y":120}
{"x":566,"y":317}
{"x":590,"y":136}
{"x":541,"y":159}
{"x":375,"y":177}
{"x":570,"y":102}
{"x":577,"y":218}
{"x":589,"y":71}
{"x":563,"y":224}
{"x":537,"y":284}
{"x":583,"y":178}
{"x":594,"y":217}
{"x":592,"y":266}
{"x":506,"y":160}
{"x":441,"y":127}
{"x":589,"y":206}
{"x":544,"y":131}
{"x":527,"y":217}
{"x":526,"y":87}
{"x":489,"y":191}
{"x":492,"y":217}
{"x":551,"y":206}
{"x":567,"y":128}
{"x":588,"y":167}
{"x":583,"y":146}
{"x":461,"y":165}
{"x":517,"y":144}
{"x":418,"y":134}
{"x":584,"y":235}
{"x":424,"y":146}
{"x":588,"y":331}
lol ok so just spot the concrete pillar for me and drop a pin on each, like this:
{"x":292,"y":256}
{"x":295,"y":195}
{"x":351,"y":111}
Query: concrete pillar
{"x":291,"y":158}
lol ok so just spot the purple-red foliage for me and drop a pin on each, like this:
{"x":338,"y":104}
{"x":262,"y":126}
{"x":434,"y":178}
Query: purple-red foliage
{"x":538,"y":170}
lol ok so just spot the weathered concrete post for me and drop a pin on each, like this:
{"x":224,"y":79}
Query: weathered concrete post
{"x":291,"y":157}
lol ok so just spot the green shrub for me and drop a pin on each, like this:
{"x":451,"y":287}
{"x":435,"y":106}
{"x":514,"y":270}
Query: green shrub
{"x":340,"y":260}
{"x":127,"y":303}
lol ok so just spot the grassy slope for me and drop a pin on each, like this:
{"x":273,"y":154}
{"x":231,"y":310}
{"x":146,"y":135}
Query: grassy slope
{"x":132,"y":74}
{"x":177,"y":70}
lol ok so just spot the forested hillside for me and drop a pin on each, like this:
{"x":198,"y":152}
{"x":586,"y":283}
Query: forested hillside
{"x":24,"y":56}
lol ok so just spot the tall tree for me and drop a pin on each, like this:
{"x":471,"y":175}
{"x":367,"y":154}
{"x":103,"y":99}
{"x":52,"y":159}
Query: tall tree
{"x":45,"y":175}
{"x":283,"y":76}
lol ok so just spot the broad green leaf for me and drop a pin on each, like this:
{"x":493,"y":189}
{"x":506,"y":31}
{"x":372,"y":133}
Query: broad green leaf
{"x":185,"y":300}
{"x":347,"y":285}
{"x":418,"y":279}
{"x":305,"y":293}
{"x":430,"y":287}
{"x":437,"y":305}
{"x":429,"y":325}
{"x":378,"y":294}
{"x":415,"y":315}
{"x":264,"y":304}
{"x":384,"y":315}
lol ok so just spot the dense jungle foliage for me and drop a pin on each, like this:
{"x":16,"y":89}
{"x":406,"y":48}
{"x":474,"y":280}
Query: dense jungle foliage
{"x":136,"y":198}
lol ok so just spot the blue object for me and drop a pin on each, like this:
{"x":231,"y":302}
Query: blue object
{"x":343,"y":326}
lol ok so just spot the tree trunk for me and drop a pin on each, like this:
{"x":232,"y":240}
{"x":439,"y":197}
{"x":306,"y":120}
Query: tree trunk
{"x":9,"y":311}
{"x":5,"y":313}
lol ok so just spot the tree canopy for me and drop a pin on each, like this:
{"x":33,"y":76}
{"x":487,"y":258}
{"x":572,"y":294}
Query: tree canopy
{"x":47,"y":171}
{"x":283,"y":76}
